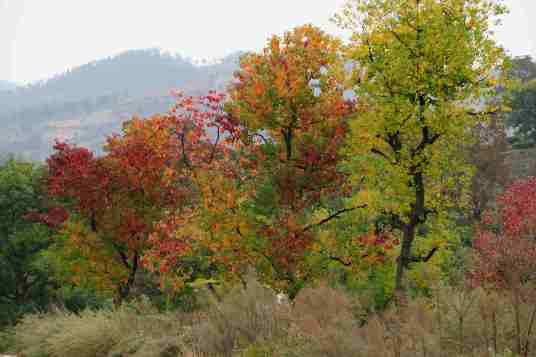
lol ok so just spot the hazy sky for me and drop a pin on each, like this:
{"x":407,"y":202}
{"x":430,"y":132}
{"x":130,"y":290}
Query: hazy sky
{"x":40,"y":38}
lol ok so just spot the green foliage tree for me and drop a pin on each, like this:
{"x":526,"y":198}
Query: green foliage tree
{"x":419,"y":64}
{"x":523,"y":68}
{"x":25,"y":282}
{"x":522,"y":118}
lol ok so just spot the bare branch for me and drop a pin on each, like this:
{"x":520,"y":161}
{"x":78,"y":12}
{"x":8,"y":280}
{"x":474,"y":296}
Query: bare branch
{"x":184,"y":157}
{"x":381,"y":153}
{"x":215,"y":145}
{"x":262,"y":137}
{"x":331,"y":217}
{"x":341,"y":261}
{"x":426,"y":258}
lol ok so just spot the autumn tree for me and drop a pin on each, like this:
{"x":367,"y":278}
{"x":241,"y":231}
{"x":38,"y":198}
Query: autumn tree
{"x":418,"y":64}
{"x":147,"y":202}
{"x":291,"y":105}
{"x":115,"y":200}
{"x":505,"y":254}
{"x":199,"y":243}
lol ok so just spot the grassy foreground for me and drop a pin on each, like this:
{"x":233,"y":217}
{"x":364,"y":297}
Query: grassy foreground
{"x":252,"y":322}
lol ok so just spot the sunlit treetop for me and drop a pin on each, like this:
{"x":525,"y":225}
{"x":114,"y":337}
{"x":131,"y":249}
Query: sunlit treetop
{"x":295,"y":83}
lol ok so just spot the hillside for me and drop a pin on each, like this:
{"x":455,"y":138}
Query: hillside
{"x":87,"y":103}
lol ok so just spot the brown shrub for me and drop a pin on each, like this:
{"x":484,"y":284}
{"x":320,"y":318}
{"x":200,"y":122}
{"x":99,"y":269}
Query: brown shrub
{"x":63,"y":333}
{"x":244,"y":317}
{"x":136,"y":330}
{"x":325,"y":316}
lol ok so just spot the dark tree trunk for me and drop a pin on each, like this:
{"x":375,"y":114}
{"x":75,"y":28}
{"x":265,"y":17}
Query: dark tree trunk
{"x":405,"y":256}
{"x":408,"y":232}
{"x":124,"y":290}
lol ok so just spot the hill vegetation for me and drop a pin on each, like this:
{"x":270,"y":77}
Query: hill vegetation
{"x":91,"y":101}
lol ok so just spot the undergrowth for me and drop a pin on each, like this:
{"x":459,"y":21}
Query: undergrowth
{"x":251,"y":322}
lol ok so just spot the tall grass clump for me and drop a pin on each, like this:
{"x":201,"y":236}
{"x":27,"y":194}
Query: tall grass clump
{"x":131,"y":330}
{"x":245,"y":316}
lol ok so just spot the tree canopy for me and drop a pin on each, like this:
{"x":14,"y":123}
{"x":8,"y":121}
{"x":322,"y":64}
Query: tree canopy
{"x":420,"y":68}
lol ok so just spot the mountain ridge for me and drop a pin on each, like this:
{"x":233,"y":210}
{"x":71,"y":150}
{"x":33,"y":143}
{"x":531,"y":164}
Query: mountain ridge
{"x":89,"y":102}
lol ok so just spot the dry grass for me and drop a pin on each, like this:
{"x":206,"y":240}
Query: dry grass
{"x":246,"y":316}
{"x":325,"y":317}
{"x":320,"y":322}
{"x":128,"y":331}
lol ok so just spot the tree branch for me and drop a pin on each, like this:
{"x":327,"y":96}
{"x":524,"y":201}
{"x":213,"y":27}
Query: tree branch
{"x":184,"y":157}
{"x":262,"y":137}
{"x":332,"y":216}
{"x":215,"y":145}
{"x":339,"y":260}
{"x":426,"y":140}
{"x":122,"y":255}
{"x":394,"y":142}
{"x":397,"y":36}
{"x":426,"y":258}
{"x":381,"y":153}
{"x":93,"y":222}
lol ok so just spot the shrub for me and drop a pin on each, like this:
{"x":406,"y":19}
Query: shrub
{"x":244,"y":317}
{"x":325,"y":316}
{"x":6,"y":341}
{"x":63,"y":333}
{"x":133,"y":330}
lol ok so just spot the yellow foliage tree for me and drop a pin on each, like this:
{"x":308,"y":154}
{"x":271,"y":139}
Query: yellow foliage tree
{"x":422,"y":69}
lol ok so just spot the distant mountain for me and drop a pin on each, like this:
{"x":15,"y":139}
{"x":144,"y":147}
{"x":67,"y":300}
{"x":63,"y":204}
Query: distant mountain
{"x":87,"y":103}
{"x":7,"y":85}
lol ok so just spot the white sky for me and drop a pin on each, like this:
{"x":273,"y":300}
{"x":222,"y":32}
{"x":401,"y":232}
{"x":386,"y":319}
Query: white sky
{"x":39,"y":38}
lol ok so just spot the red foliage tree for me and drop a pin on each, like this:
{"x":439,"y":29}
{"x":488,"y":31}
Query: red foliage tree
{"x":145,"y":175}
{"x":205,"y":227}
{"x":506,"y":253}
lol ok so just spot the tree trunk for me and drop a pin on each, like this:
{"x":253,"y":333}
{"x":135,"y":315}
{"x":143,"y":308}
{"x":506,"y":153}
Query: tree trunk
{"x":123,"y":292}
{"x":405,"y":256}
{"x":417,"y":217}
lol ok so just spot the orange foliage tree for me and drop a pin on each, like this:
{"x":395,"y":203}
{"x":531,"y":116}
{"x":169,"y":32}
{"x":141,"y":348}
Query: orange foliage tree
{"x":291,"y":106}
